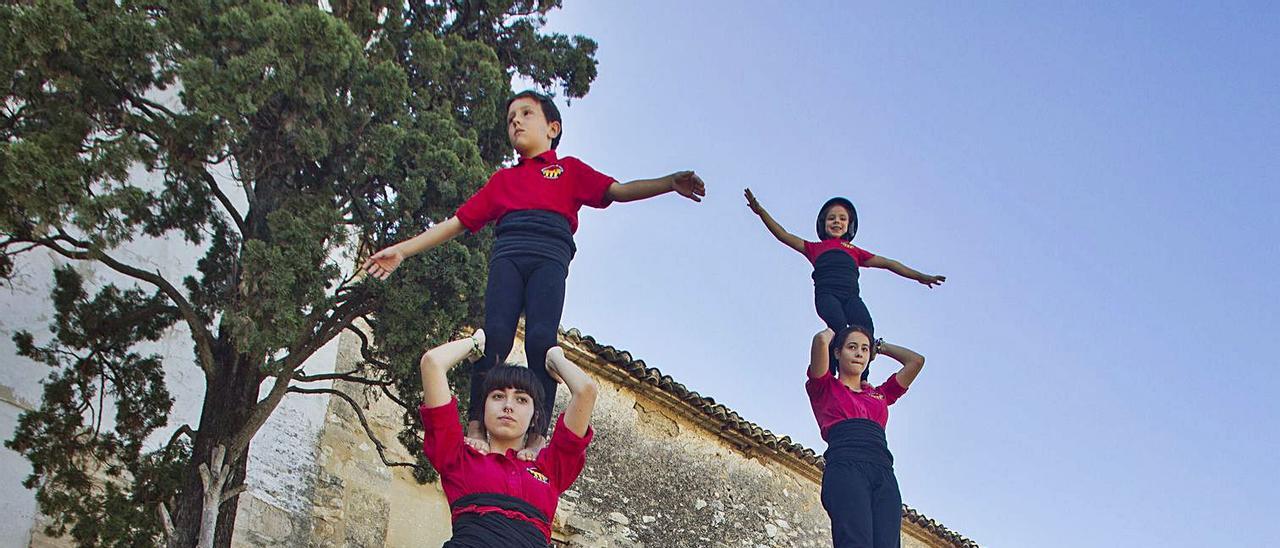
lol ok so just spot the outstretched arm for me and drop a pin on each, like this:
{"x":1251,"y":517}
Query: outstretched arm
{"x":790,"y":240}
{"x":383,"y":263}
{"x":911,"y":361}
{"x":686,"y":183}
{"x":820,"y":354}
{"x":905,"y":271}
{"x":437,"y":362}
{"x":582,"y":390}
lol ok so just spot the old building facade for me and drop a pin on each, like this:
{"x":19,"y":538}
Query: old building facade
{"x":668,"y":468}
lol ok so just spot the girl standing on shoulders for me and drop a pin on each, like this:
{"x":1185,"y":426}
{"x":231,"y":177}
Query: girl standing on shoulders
{"x":835,"y":262}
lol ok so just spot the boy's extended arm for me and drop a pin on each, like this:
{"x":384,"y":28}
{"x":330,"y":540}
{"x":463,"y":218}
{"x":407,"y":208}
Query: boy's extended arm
{"x":383,"y":263}
{"x":905,"y":271}
{"x":788,"y":239}
{"x":686,"y":183}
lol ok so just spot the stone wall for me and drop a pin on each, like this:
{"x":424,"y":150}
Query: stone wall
{"x":654,"y":477}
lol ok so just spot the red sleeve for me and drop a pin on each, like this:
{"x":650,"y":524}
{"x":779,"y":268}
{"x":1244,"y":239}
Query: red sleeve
{"x":442,"y":439}
{"x":809,"y":249}
{"x":565,"y":456}
{"x":861,"y":255}
{"x":480,"y":208}
{"x":818,"y":386}
{"x":891,"y":390}
{"x":591,"y":187}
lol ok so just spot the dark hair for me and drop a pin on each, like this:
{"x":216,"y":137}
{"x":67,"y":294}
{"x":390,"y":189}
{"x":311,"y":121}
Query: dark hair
{"x":549,"y":110}
{"x":838,"y":341}
{"x":502,"y":377}
{"x":853,"y":218}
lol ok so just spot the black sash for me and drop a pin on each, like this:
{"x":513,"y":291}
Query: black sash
{"x":535,"y":232}
{"x":493,"y":529}
{"x":836,"y":273}
{"x":858,"y":440}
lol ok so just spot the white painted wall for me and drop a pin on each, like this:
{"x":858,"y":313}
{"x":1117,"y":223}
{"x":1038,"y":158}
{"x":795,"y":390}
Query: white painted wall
{"x":279,"y":455}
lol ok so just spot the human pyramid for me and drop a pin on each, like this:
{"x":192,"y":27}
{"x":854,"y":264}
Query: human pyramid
{"x":504,"y":474}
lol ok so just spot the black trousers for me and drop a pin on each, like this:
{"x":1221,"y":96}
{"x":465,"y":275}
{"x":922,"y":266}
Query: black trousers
{"x":841,"y":311}
{"x":536,"y":286}
{"x":864,"y":504}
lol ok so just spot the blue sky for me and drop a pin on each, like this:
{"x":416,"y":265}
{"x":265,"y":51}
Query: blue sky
{"x":1098,"y":184}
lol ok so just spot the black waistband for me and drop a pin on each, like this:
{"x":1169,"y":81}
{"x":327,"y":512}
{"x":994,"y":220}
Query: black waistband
{"x":835,"y":272}
{"x":535,"y":232}
{"x":858,"y":440}
{"x":476,"y":530}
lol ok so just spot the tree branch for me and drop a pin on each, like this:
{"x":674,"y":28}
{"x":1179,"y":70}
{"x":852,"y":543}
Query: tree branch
{"x":364,"y":422}
{"x":289,"y":368}
{"x":349,"y":377}
{"x":222,"y":199}
{"x":184,"y":429}
{"x":199,"y":332}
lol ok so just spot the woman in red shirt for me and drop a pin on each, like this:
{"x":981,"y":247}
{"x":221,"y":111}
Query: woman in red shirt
{"x":859,"y":490}
{"x":496,"y":498}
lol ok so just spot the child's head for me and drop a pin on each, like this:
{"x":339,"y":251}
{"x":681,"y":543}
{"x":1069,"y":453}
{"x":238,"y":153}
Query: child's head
{"x":837,"y":219}
{"x":511,"y":401}
{"x":851,"y":352}
{"x":533,"y":123}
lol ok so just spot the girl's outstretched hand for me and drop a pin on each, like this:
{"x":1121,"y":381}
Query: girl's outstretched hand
{"x":752,"y":203}
{"x":689,"y":185}
{"x":383,"y":263}
{"x":933,"y":280}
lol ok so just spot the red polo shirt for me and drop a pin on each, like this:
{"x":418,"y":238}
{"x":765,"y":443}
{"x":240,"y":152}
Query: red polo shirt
{"x":464,"y":471}
{"x":560,"y":185}
{"x":813,"y":249}
{"x":833,"y":402}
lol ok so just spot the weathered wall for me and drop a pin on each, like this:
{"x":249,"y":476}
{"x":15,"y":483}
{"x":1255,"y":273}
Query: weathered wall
{"x":653,"y":478}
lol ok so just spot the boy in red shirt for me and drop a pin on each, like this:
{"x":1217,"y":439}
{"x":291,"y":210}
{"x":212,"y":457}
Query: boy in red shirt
{"x":535,"y":204}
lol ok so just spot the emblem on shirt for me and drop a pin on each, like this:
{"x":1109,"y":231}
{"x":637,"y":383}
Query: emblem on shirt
{"x":553,"y":171}
{"x":877,"y":395}
{"x":539,"y":475}
{"x":847,"y":244}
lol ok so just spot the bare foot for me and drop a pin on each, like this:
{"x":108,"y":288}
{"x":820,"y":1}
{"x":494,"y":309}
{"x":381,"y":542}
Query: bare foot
{"x":532,"y":447}
{"x":475,"y":437}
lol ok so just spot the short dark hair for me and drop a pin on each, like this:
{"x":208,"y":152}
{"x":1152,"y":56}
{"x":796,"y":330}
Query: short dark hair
{"x":842,"y":337}
{"x":549,"y":110}
{"x":502,"y":377}
{"x":853,"y":218}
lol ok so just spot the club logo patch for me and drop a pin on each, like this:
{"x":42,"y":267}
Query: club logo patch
{"x":553,"y":171}
{"x":847,"y":244}
{"x":877,"y":395}
{"x":539,"y":475}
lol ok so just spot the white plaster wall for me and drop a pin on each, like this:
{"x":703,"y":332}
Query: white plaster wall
{"x":281,"y":454}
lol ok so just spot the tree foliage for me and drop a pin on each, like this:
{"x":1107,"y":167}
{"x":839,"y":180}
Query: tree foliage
{"x":274,"y":139}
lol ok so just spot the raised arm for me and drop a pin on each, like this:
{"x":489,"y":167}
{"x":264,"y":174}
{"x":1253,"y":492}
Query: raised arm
{"x":437,"y":362}
{"x":820,"y":354}
{"x":911,"y":362}
{"x":582,"y":390}
{"x":686,"y":183}
{"x":383,"y":263}
{"x":790,"y":240}
{"x":904,"y":271}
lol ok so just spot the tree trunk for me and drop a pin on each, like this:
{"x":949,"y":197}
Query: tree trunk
{"x":229,"y":396}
